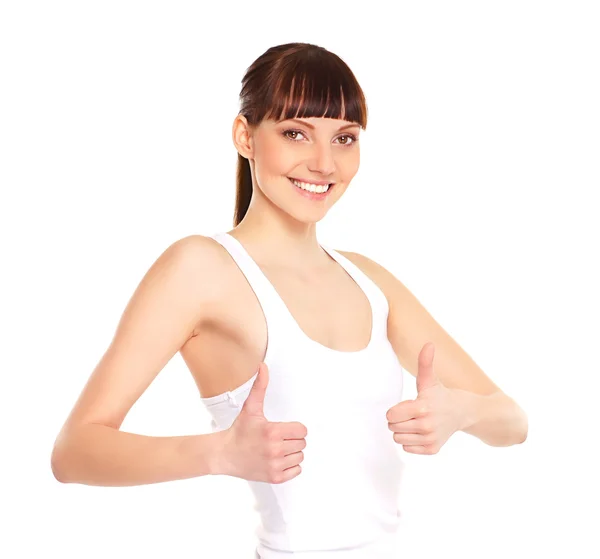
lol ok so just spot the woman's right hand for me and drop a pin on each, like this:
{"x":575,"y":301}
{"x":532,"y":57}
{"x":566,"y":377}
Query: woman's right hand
{"x":256,"y":449}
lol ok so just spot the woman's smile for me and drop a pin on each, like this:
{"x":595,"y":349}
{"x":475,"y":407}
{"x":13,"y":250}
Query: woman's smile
{"x":310,"y":194}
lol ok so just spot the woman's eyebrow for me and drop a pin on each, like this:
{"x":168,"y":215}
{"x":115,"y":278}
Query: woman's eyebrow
{"x":312,"y":126}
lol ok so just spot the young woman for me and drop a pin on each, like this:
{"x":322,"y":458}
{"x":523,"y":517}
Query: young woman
{"x":297,"y":349}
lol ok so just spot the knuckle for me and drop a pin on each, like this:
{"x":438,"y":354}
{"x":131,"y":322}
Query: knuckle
{"x":272,"y":452}
{"x":426,"y":426}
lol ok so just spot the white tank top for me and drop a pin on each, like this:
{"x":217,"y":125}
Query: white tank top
{"x":344,"y":503}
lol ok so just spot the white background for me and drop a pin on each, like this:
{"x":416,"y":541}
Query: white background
{"x":477,"y":188}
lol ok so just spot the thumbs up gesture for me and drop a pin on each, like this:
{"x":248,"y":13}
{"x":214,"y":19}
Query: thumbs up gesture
{"x":423,"y":426}
{"x":256,"y":449}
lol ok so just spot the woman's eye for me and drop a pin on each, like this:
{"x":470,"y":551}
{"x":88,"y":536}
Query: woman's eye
{"x":291,"y":132}
{"x":352,"y":137}
{"x":344,"y":143}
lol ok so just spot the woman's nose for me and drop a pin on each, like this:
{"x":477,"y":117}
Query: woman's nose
{"x":324,"y":162}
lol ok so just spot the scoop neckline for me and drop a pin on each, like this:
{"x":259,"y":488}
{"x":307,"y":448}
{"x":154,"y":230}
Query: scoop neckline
{"x":333,"y":254}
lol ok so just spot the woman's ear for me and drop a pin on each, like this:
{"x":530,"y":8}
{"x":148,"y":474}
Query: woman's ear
{"x":242,"y":137}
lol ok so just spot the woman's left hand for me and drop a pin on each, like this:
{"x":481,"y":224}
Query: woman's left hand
{"x":423,"y":426}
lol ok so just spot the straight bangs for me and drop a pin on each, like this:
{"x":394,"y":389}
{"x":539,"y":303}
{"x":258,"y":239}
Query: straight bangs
{"x":316,"y":86}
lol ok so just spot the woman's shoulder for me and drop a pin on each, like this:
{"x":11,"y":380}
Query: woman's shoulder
{"x":204,"y":271}
{"x":203,"y":249}
{"x":202,"y":257}
{"x":387,"y":282}
{"x":366,"y":265}
{"x":199,"y":252}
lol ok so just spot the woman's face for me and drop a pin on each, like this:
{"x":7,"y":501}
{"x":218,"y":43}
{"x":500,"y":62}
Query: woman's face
{"x":310,"y":149}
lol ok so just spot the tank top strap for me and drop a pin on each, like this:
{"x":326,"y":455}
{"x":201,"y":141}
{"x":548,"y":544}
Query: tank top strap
{"x":273,"y":307}
{"x":377,"y":299}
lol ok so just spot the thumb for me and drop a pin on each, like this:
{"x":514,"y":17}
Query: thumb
{"x":256,"y":397}
{"x":426,"y":377}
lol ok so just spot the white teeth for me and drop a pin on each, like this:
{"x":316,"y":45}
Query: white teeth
{"x":311,"y":187}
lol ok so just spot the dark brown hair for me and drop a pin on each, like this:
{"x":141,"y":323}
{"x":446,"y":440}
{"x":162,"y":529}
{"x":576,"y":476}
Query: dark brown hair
{"x":295,"y":80}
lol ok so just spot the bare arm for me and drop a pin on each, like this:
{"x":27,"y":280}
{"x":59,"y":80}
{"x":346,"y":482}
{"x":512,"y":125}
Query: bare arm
{"x":160,"y":317}
{"x":95,"y":454}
